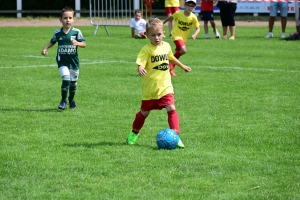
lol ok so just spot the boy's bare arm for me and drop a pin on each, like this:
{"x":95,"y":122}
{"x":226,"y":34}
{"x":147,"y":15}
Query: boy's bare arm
{"x":132,"y":32}
{"x":80,"y":44}
{"x":196,"y":33}
{"x":182,"y":66}
{"x":45,"y":49}
{"x":170,"y":18}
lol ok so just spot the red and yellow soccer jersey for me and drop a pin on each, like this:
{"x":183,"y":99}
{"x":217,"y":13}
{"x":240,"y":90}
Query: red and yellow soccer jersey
{"x":155,"y":59}
{"x":183,"y":25}
{"x":171,"y":3}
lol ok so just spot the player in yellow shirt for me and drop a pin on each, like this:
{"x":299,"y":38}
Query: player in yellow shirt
{"x":157,"y":89}
{"x":171,"y":6}
{"x":184,"y":21}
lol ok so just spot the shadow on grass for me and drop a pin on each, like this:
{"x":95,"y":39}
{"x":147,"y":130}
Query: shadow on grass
{"x":92,"y":145}
{"x":29,"y":110}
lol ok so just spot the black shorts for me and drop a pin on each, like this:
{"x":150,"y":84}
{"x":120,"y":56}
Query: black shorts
{"x":207,"y":15}
{"x":227,"y":12}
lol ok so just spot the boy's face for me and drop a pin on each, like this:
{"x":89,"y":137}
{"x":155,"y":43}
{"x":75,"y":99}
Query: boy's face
{"x":189,"y":6}
{"x":155,"y":34}
{"x":138,"y":16}
{"x":67,"y":19}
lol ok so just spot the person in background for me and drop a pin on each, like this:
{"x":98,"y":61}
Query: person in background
{"x":207,"y":14}
{"x":157,"y":89}
{"x":283,"y":7}
{"x":184,"y":21}
{"x":297,"y":27}
{"x":68,"y":39}
{"x":138,"y":26}
{"x":171,"y":6}
{"x":227,"y":13}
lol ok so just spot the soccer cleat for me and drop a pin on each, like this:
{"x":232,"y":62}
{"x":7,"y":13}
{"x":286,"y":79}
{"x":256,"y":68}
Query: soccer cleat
{"x":72,"y":104}
{"x":282,"y":35}
{"x":217,"y":34}
{"x":180,"y":144}
{"x":207,"y":36}
{"x":62,"y":105}
{"x":270,"y":35}
{"x":132,"y":137}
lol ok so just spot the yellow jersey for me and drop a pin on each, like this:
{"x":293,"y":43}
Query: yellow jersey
{"x":183,"y":25}
{"x":155,"y":59}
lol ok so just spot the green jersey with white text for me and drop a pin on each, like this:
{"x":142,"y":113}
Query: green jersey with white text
{"x":67,"y":52}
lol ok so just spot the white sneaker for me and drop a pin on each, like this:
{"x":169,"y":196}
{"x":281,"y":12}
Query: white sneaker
{"x":270,"y":35}
{"x":282,"y":35}
{"x":217,"y":34}
{"x":207,"y":36}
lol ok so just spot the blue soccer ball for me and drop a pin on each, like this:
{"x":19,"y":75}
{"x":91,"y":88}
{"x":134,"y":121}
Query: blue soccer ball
{"x":167,"y":139}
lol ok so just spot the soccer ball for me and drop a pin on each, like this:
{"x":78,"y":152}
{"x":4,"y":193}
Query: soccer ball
{"x":167,"y":139}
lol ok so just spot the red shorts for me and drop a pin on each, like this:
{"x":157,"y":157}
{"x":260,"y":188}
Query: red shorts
{"x":157,"y":104}
{"x":171,"y":10}
{"x":179,"y":44}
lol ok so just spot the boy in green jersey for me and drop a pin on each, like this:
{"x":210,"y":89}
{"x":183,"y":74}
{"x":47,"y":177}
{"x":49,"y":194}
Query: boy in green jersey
{"x":68,"y":39}
{"x":157,"y":89}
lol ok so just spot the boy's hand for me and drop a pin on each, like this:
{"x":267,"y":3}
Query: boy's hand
{"x":74,"y":42}
{"x":44,"y":52}
{"x":142,"y":71}
{"x":186,"y":68}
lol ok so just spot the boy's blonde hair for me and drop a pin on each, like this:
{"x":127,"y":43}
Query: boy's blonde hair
{"x":154,"y":23}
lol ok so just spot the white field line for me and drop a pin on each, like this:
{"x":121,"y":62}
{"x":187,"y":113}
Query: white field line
{"x":122,"y":61}
{"x":251,"y":69}
{"x":50,"y":65}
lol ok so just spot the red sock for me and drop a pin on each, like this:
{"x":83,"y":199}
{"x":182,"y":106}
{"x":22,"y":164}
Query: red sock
{"x":177,"y":54}
{"x":173,"y":121}
{"x":138,"y":122}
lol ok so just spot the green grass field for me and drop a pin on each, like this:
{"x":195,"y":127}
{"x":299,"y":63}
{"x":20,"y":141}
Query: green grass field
{"x":239,"y":112}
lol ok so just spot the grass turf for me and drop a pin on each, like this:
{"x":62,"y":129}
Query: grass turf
{"x":238,"y":108}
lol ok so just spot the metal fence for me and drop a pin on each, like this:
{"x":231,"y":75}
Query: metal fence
{"x":113,"y":12}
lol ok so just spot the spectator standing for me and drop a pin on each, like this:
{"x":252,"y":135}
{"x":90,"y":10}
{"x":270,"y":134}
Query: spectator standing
{"x":283,"y":7}
{"x":227,"y":12}
{"x":207,"y":14}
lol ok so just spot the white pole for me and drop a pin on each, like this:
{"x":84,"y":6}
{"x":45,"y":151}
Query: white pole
{"x":19,"y":8}
{"x":136,"y":4}
{"x":77,"y":7}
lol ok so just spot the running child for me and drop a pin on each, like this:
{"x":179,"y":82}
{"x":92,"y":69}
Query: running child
{"x":157,"y":89}
{"x":68,"y":39}
{"x":184,"y":21}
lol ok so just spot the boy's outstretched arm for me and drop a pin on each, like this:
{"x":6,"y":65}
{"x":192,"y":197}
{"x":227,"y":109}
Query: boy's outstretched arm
{"x":45,"y":49}
{"x":170,"y":18}
{"x":196,"y":33}
{"x":182,"y":66}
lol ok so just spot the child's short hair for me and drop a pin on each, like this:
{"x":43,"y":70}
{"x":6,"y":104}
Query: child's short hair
{"x":66,"y":9}
{"x":137,"y":11}
{"x":154,"y":23}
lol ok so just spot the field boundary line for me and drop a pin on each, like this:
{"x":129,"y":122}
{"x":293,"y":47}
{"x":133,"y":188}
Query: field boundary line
{"x":122,"y":61}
